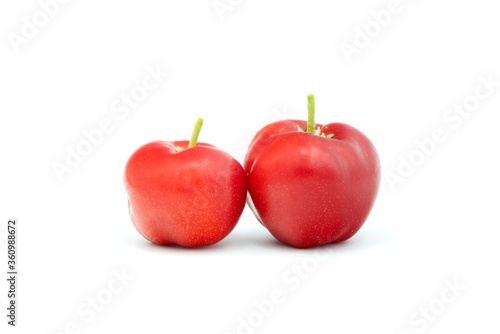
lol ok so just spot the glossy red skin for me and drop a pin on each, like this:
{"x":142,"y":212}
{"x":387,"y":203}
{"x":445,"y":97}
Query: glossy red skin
{"x":189,"y":198}
{"x":309,"y":190}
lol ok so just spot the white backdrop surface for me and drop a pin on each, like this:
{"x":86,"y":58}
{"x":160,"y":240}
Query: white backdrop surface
{"x":402,"y":72}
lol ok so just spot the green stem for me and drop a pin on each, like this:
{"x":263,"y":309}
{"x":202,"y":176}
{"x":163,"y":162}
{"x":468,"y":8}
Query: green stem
{"x":310,"y":109}
{"x":196,"y":133}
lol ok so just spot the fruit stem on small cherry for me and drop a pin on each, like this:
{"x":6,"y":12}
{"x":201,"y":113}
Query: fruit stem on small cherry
{"x":196,"y":133}
{"x":310,"y":109}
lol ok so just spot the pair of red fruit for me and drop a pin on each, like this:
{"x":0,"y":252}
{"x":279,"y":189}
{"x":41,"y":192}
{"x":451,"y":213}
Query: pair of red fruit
{"x":308,"y":184}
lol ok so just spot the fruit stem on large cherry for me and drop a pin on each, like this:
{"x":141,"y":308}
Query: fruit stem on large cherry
{"x":196,"y":133}
{"x":310,"y":109}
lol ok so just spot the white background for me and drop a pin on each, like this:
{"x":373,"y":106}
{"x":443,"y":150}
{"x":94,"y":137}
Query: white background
{"x":255,"y":66}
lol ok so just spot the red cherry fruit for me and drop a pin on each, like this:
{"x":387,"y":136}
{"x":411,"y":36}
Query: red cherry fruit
{"x":311,"y":184}
{"x":183,"y":192}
